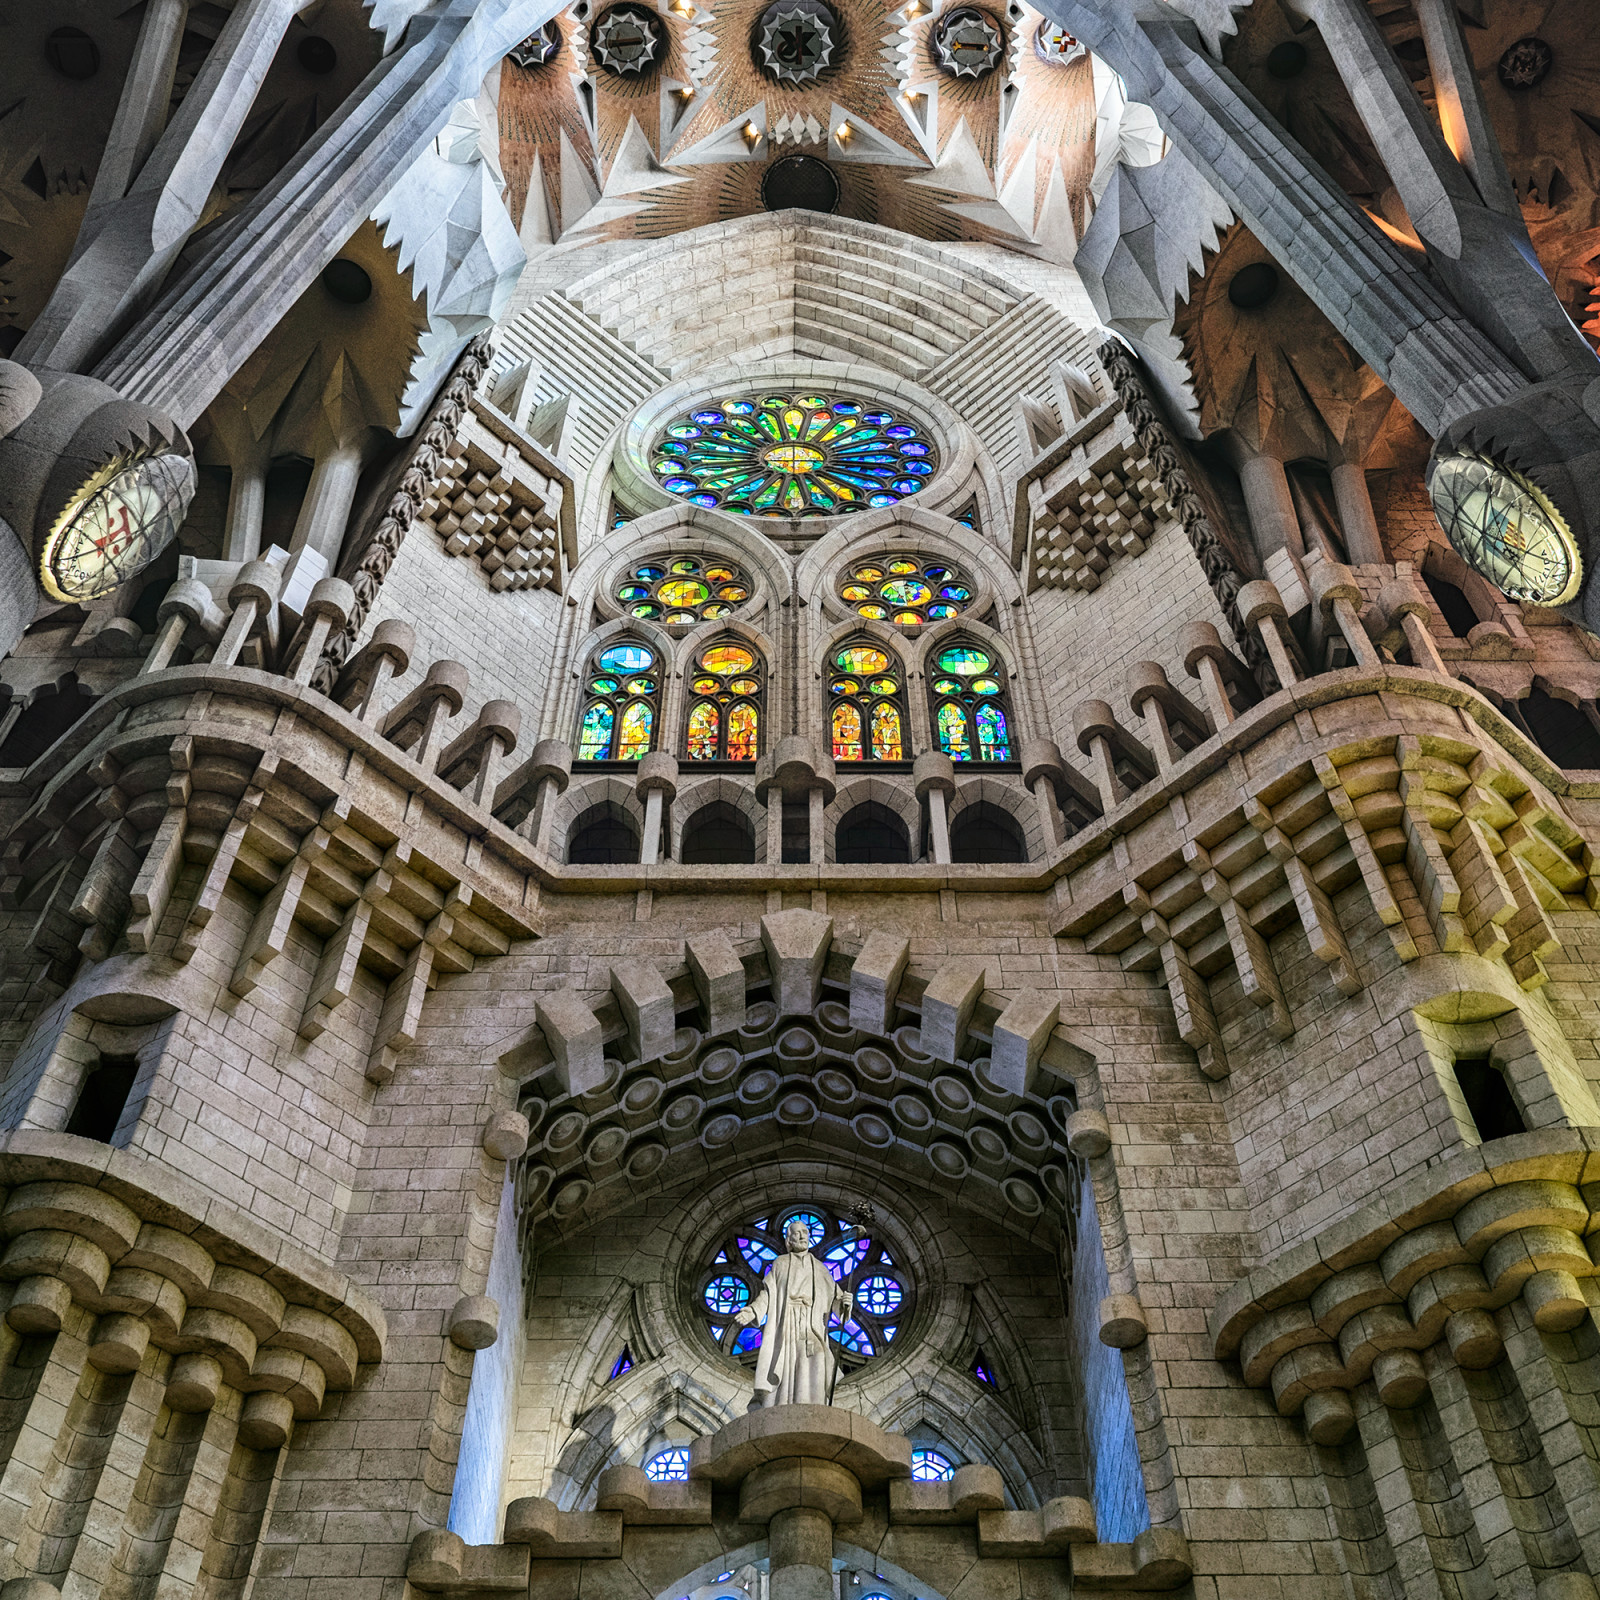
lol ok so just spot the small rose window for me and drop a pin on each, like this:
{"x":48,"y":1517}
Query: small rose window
{"x":908,"y":591}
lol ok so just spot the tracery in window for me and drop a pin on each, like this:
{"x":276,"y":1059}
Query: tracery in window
{"x":622,"y":704}
{"x":908,"y":590}
{"x":727,"y":689}
{"x":668,"y":1466}
{"x":931,"y":1466}
{"x":970,"y":708}
{"x":805,"y":455}
{"x":867,"y":711}
{"x":857,"y":1258}
{"x":687,"y":589}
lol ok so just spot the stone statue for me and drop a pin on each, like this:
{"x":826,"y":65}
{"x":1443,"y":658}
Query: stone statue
{"x":798,"y":1295}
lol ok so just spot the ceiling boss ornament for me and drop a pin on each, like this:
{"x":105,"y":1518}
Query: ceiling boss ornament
{"x":626,"y":41}
{"x":1504,"y":526}
{"x":967,"y":44}
{"x":797,"y":39}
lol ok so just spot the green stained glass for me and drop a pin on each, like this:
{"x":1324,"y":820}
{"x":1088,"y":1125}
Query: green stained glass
{"x":907,"y":592}
{"x":952,"y":724}
{"x":861,"y":658}
{"x":800,"y":456}
{"x":594,"y":740}
{"x":979,"y":686}
{"x":946,"y":686}
{"x":882,"y":686}
{"x":964,"y":660}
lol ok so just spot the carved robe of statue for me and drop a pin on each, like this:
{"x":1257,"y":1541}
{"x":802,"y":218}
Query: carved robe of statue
{"x":794,"y":1364}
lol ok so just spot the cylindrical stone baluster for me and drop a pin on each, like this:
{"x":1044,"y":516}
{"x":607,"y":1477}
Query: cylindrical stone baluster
{"x":185,"y":603}
{"x":329,"y":607}
{"x":500,"y":722}
{"x":1203,"y":655}
{"x":1354,"y":500}
{"x":446,"y":685}
{"x":1094,"y":723}
{"x":934,"y":775}
{"x":1404,"y":602}
{"x":656,"y":784}
{"x":793,"y":769}
{"x":254,"y":593}
{"x":392,"y":642}
{"x":1337,"y":595}
{"x":1263,"y":611}
{"x":550,"y":771}
{"x":1041,"y":766}
{"x":1148,"y":686}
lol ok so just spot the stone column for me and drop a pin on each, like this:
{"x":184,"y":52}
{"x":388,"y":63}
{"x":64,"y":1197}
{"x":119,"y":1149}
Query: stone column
{"x":657,"y":783}
{"x":801,"y":1551}
{"x":1354,"y":499}
{"x":934,"y":775}
{"x":247,"y":504}
{"x":326,"y":508}
{"x":795,"y":768}
{"x":142,"y":110}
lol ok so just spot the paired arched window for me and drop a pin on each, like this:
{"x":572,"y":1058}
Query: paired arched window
{"x":622,"y":703}
{"x":867,"y":717}
{"x":727,"y":690}
{"x":969,"y":706}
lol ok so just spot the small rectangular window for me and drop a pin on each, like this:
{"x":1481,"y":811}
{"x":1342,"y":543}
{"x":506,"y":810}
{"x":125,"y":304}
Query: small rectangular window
{"x":1488,"y":1098}
{"x":796,"y":831}
{"x":103,"y":1097}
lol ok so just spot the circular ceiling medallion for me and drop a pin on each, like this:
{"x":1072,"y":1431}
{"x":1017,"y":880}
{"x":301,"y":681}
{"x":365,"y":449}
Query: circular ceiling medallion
{"x":1526,"y":64}
{"x":1056,"y":45}
{"x":347,"y":281}
{"x":797,"y":39}
{"x":1287,"y":60}
{"x":1253,"y":286}
{"x":1503,"y":526}
{"x":967,"y":44}
{"x":800,"y":182}
{"x":116,"y":525}
{"x":537,"y":48}
{"x":626,"y":41}
{"x":72,"y":53}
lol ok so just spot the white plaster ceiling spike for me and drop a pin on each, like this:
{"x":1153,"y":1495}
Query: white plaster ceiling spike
{"x":918,"y":104}
{"x":730,"y":142}
{"x":536,"y":231}
{"x":634,"y":168}
{"x":1021,"y":185}
{"x":579,"y":193}
{"x":863,"y":143}
{"x":960,"y":167}
{"x":1055,"y":234}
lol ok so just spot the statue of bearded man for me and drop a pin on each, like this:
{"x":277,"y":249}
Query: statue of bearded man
{"x":798,"y":1295}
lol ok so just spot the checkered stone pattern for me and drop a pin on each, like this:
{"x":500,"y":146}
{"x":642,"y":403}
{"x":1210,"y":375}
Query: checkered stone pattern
{"x":1091,"y":510}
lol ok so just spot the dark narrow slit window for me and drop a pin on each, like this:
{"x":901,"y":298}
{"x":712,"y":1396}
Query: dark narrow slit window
{"x":1488,"y":1098}
{"x":102,"y":1098}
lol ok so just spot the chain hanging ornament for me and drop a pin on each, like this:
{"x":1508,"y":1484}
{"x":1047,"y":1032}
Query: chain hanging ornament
{"x":967,"y":44}
{"x":797,"y":40}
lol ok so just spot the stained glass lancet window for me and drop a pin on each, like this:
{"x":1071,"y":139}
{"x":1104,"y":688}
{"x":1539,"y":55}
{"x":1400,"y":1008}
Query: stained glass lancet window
{"x":621,"y":704}
{"x":969,"y":705}
{"x":683,"y":590}
{"x":807,"y":455}
{"x":727,"y":692}
{"x":906,"y":590}
{"x":866,"y":710}
{"x":858,"y":1259}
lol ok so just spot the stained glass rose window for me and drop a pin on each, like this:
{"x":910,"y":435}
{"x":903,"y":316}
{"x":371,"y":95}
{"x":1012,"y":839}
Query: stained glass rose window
{"x":907,"y":590}
{"x":809,"y":455}
{"x":680,"y":591}
{"x":857,"y":1257}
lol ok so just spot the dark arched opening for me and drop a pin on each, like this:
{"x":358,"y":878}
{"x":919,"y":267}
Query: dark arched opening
{"x":718,"y":835}
{"x":602,"y":838}
{"x":1452,"y":602}
{"x":1566,"y":733}
{"x":871,"y":835}
{"x":985,"y":835}
{"x":54,"y":709}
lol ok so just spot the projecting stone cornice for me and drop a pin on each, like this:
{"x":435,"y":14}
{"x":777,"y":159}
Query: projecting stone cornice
{"x":1427,"y":1261}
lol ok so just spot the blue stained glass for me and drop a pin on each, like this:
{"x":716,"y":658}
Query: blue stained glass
{"x":935,"y":574}
{"x":747,"y":1341}
{"x":668,"y":1466}
{"x":594,"y":737}
{"x":886,"y":1259}
{"x":931,"y":1466}
{"x":764,"y":1224}
{"x":900,"y":485}
{"x":916,"y":448}
{"x":880,"y":1296}
{"x":901,"y":431}
{"x":709,"y":417}
{"x":943,"y":611}
{"x":624,"y":1364}
{"x":649,"y":574}
{"x":680,"y":485}
{"x":889,"y":1333}
{"x":627,"y":658}
{"x":881,"y":500}
{"x":814,"y":1225}
{"x":709,"y":501}
{"x":760,"y":1256}
{"x":740,"y":408}
{"x":920,"y":469}
{"x":843,"y":1259}
{"x":684,"y":430}
{"x":726,"y":1294}
{"x":720,"y":1259}
{"x":877,"y":418}
{"x":853,"y":1337}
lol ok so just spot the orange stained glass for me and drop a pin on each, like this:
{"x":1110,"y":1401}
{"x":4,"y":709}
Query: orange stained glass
{"x":633,"y":739}
{"x":719,"y":574}
{"x":742,"y":727}
{"x":899,"y":568}
{"x":885,"y":732}
{"x":861,"y":658}
{"x":856,"y":591}
{"x":705,"y":686}
{"x":908,"y":619}
{"x":874,"y":612}
{"x":734,"y":592}
{"x":846,"y":732}
{"x":726,"y":658}
{"x":702,"y":740}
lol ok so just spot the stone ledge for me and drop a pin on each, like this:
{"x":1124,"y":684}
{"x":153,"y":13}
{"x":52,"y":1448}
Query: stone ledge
{"x":822,"y":1433}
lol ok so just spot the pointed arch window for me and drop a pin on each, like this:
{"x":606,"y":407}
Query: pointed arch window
{"x":727,"y":704}
{"x":970,"y":708}
{"x":622,"y":703}
{"x":866,"y":711}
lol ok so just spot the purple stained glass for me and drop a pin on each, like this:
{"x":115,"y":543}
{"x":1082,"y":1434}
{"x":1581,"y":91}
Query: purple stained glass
{"x":725,"y":1294}
{"x":853,"y":1337}
{"x":843,"y":1259}
{"x":983,"y":1374}
{"x":931,"y":1466}
{"x":760,"y":1256}
{"x":624,"y":1363}
{"x":747,"y":1341}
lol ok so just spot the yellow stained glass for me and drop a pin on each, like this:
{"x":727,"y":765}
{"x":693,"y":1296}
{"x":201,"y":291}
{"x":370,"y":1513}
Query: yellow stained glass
{"x":908,"y":619}
{"x":856,"y":591}
{"x":861,"y":658}
{"x":794,"y":458}
{"x":679,"y":619}
{"x":742,"y":724}
{"x":869,"y":574}
{"x":685,"y":566}
{"x":705,"y":686}
{"x":846,"y":732}
{"x":885,"y":732}
{"x":733,"y":592}
{"x":685,"y":592}
{"x":727,"y":658}
{"x":633,"y":741}
{"x":745,"y":686}
{"x":720,"y":574}
{"x":874,"y":612}
{"x":901,"y":568}
{"x":702,"y":740}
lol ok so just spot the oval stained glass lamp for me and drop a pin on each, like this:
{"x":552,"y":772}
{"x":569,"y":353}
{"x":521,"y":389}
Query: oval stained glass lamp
{"x":809,"y":455}
{"x":1505,"y":527}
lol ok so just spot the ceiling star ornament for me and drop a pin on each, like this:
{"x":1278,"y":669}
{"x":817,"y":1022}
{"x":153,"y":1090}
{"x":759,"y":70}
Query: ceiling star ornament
{"x":797,"y":40}
{"x":626,"y":41}
{"x":1056,"y":45}
{"x":537,"y":48}
{"x":967,"y":44}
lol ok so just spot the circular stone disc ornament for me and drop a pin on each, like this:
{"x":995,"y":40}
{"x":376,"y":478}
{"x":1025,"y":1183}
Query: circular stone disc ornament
{"x":797,"y":39}
{"x":537,"y":48}
{"x":1056,"y":45}
{"x":1504,"y":527}
{"x":116,"y":525}
{"x":967,"y":44}
{"x":626,"y":41}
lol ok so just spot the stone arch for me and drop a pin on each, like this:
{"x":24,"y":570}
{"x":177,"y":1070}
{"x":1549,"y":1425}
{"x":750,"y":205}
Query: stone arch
{"x":894,"y":796}
{"x":986,"y":790}
{"x":696,"y":799}
{"x":590,"y":800}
